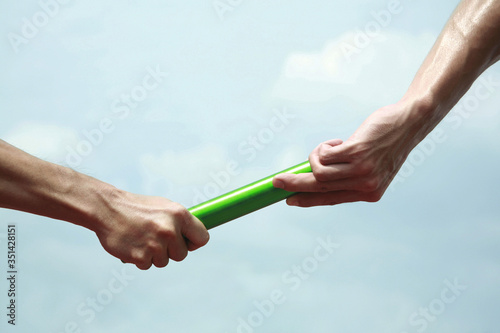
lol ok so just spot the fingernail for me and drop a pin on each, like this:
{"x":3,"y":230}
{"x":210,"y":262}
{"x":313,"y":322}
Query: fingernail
{"x":292,"y":202}
{"x":279,"y":184}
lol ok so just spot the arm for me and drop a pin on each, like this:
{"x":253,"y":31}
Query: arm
{"x":138,"y":229}
{"x":362,"y":167}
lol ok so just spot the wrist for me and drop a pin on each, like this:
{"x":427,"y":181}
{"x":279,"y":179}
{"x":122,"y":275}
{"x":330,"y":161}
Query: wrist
{"x":90,"y":202}
{"x":421,"y":114}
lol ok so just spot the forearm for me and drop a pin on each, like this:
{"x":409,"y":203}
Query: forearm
{"x":32,"y":185}
{"x":138,"y":229}
{"x":362,"y":167}
{"x":468,"y":45}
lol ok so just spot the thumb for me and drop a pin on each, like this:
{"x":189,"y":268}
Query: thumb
{"x":195,"y":233}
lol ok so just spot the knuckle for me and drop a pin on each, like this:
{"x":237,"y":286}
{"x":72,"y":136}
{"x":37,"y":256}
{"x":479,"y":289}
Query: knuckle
{"x":321,"y":174}
{"x":161,"y":261}
{"x":179,"y":255}
{"x":140,"y":260}
{"x":373,"y":196}
{"x":154,"y":247}
{"x":371,"y":185}
{"x":143,"y":266}
{"x":163,"y":264}
{"x":324,"y":155}
{"x":364,"y":168}
{"x":290,"y":182}
{"x":165,"y":232}
{"x":179,"y":212}
{"x":137,"y":256}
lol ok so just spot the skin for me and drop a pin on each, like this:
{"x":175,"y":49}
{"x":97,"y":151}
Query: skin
{"x":138,"y":229}
{"x":146,"y":230}
{"x":362,"y":167}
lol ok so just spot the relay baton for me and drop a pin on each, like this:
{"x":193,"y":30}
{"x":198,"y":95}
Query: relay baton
{"x":244,"y":200}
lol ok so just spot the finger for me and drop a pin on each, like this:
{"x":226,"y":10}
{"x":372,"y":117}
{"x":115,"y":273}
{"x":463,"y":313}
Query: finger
{"x":162,"y":262}
{"x":307,"y":182}
{"x":326,"y":144}
{"x":324,"y":199}
{"x":330,"y":172}
{"x":302,"y":182}
{"x":333,"y":142}
{"x":160,"y":257}
{"x":195,"y":232}
{"x":144,"y":265}
{"x":191,"y":246}
{"x":140,"y":257}
{"x":329,"y":154}
{"x":177,"y":248}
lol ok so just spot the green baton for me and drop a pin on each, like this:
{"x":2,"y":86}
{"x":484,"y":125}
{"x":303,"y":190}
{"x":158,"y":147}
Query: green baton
{"x":244,"y":200}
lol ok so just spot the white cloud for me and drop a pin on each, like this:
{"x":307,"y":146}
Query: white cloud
{"x":330,"y":64}
{"x":185,"y":167}
{"x":45,"y":141}
{"x":390,"y":60}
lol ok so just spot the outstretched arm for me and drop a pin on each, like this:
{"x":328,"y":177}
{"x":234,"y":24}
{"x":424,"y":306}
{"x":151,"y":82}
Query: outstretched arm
{"x":138,"y":229}
{"x":362,"y":167}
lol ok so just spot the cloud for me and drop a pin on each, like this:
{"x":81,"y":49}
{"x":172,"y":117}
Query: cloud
{"x":343,"y":69}
{"x":185,"y":167}
{"x":45,"y":141}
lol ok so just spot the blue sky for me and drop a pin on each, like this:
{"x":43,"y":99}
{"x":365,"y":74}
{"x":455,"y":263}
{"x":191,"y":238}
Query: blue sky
{"x":224,"y":74}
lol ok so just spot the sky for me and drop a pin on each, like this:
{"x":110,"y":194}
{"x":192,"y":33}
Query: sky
{"x":206,"y":80}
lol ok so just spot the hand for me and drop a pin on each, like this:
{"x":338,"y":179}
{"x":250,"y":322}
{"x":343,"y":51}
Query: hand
{"x":147,"y":231}
{"x":359,"y":169}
